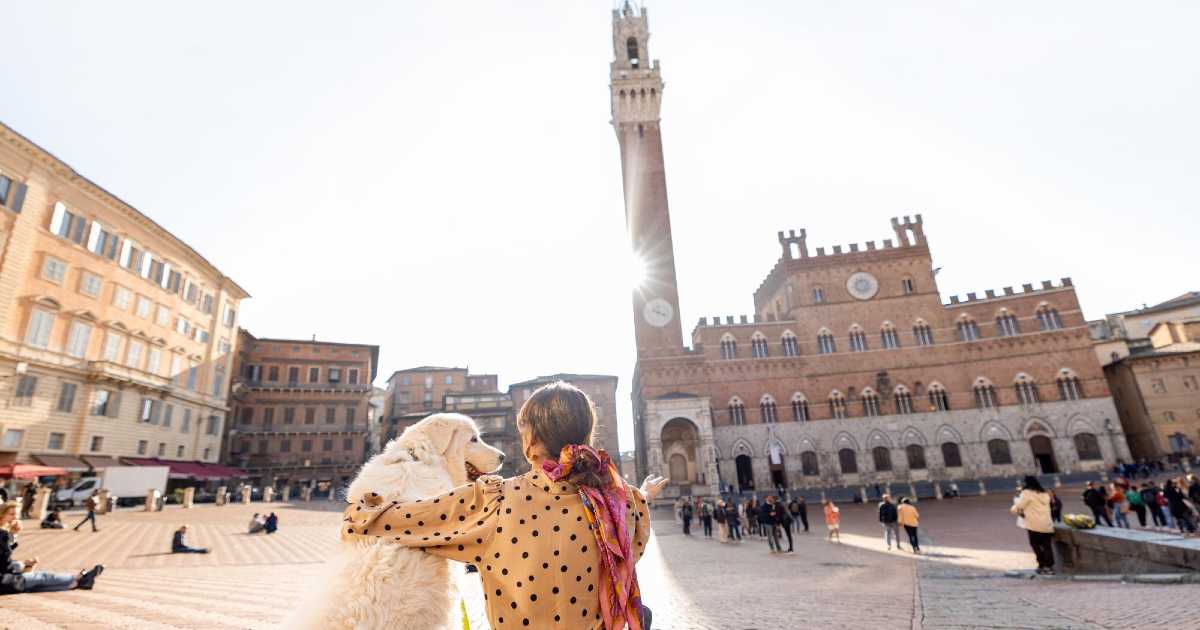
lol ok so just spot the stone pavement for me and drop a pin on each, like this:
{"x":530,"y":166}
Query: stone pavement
{"x":251,"y":581}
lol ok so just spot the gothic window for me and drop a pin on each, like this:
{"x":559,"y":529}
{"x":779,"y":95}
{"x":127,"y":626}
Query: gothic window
{"x":998,"y":452}
{"x":882,"y":457}
{"x":848,"y":462}
{"x":791,"y":348}
{"x":1048,"y":318}
{"x":766,"y":408}
{"x":631,"y":48}
{"x":799,"y":408}
{"x":1068,"y":386}
{"x":737,"y":411}
{"x":870,"y":403}
{"x":858,"y":339}
{"x":728,"y":347}
{"x":903,"y":399}
{"x":818,"y":295}
{"x":758,"y":346}
{"x":922,"y":333}
{"x":968,"y":330}
{"x":1006,"y":324}
{"x":951,"y":455}
{"x":837,"y":405}
{"x":808,"y":464}
{"x":985,"y":394}
{"x":939,"y":400}
{"x":888,"y":337}
{"x":1087,"y":446}
{"x":915,"y":453}
{"x":825,"y":342}
{"x":1026,"y":389}
{"x":907,"y":286}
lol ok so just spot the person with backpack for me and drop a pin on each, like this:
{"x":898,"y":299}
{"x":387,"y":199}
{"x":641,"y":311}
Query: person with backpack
{"x":706,"y":518}
{"x":784,"y":516}
{"x":685,"y":514}
{"x":1134,"y":498}
{"x":733,"y":518}
{"x":1116,"y":501}
{"x":1150,"y":497}
{"x":1095,"y":499}
{"x":888,"y":519}
{"x":768,"y":522}
{"x":1179,"y":508}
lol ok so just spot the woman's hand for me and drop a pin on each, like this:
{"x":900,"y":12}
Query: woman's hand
{"x":30,"y":563}
{"x":652,"y":486}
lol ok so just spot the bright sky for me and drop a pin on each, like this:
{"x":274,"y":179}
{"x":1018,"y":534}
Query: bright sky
{"x":440,"y":178}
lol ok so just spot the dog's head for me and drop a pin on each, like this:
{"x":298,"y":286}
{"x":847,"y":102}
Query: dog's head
{"x":454,"y":439}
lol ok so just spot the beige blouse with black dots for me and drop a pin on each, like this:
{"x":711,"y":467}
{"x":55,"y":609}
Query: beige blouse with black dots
{"x":528,"y":536}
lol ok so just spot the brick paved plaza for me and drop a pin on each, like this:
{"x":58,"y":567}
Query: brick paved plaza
{"x":250,"y":581}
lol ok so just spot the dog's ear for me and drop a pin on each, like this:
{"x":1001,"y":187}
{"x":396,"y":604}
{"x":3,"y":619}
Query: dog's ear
{"x":444,"y":437}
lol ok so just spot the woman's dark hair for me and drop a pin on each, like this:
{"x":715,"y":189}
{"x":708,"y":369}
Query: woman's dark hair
{"x":1032,"y":483}
{"x":559,"y":415}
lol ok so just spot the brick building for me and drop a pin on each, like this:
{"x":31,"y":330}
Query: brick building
{"x":300,"y":410}
{"x":414,"y":393}
{"x":601,"y":388}
{"x":115,"y":335}
{"x":850,"y":370}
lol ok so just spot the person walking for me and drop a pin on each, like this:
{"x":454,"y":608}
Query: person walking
{"x":1056,"y":507}
{"x":1193,"y":490}
{"x":889,"y":519}
{"x":768,"y":522}
{"x":1033,"y":506}
{"x":570,"y":486}
{"x":799,"y":510}
{"x":27,"y":499}
{"x":1133,"y":497}
{"x":685,"y":514}
{"x":92,"y":504}
{"x":20,"y":576}
{"x":1116,"y":502}
{"x":833,"y":520}
{"x":1178,"y":506}
{"x":706,"y":518}
{"x":1094,"y":498}
{"x":784,"y":516}
{"x":733,"y":519}
{"x":1150,"y":496}
{"x":752,"y":516}
{"x":908,"y":516}
{"x":722,"y":526}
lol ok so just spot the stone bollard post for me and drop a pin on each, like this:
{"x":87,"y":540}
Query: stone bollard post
{"x":912,"y":492}
{"x":982,"y":489}
{"x":286,"y":494}
{"x":937,"y":490}
{"x":105,"y":504}
{"x":306,"y":493}
{"x":189,"y":498}
{"x":151,"y":504}
{"x":41,"y":503}
{"x":245,"y":495}
{"x":268,"y":494}
{"x":221,"y":492}
{"x":1057,"y":481}
{"x":822,"y":496}
{"x":863,"y":492}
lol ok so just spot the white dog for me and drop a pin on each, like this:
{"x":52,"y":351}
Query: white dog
{"x":375,"y":583}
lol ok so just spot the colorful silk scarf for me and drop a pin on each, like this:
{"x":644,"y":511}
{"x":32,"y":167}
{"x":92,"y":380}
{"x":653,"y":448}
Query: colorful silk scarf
{"x":620,"y":597}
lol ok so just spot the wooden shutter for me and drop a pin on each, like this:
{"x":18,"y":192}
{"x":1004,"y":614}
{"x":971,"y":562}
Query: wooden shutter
{"x":18,"y":197}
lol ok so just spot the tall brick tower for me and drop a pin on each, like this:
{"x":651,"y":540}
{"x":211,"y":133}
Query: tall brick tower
{"x":636,"y":95}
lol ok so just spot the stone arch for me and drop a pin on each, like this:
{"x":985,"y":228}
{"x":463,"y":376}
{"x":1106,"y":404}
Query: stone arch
{"x":912,"y":435}
{"x":741,"y":446}
{"x":855,"y":328}
{"x":878,"y":438}
{"x":757,"y":336}
{"x":787,"y":334}
{"x":947,"y":433}
{"x":1022,"y":377}
{"x":920,"y":321}
{"x":806,"y":443}
{"x":845,"y":440}
{"x":982,"y":381}
{"x":1080,"y":424}
{"x":766,"y":398}
{"x":992,"y":430}
{"x":823,"y":331}
{"x":728,"y":337}
{"x":680,"y":438}
{"x":799,"y":397}
{"x":1037,"y":426}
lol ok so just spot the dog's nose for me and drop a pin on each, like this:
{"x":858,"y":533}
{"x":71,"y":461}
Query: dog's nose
{"x":501,"y":456}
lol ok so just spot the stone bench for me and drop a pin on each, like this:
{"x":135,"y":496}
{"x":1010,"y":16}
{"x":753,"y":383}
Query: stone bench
{"x":1123,"y":551}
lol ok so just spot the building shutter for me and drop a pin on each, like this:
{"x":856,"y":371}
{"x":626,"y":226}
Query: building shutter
{"x":18,"y":197}
{"x":126,"y":251}
{"x":147,"y":258}
{"x":166,"y":275}
{"x":56,"y":219}
{"x":94,"y":238}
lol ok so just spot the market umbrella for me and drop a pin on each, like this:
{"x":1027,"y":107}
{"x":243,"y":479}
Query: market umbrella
{"x":29,"y":471}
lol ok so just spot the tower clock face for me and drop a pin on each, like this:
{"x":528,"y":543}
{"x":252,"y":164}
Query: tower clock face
{"x":658,"y":312}
{"x":862,"y":285}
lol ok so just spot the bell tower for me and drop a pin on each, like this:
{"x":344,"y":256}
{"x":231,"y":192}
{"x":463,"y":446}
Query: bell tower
{"x":636,"y":90}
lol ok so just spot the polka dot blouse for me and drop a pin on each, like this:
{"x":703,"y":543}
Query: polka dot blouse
{"x":528,"y":536}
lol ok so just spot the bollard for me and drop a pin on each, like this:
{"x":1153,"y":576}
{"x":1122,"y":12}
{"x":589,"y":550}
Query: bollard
{"x":937,"y":490}
{"x":287,"y":494}
{"x":307,"y":493}
{"x":189,"y":498}
{"x":105,"y":505}
{"x":982,"y":489}
{"x":822,"y":496}
{"x":268,"y":494}
{"x":863,"y":492}
{"x":1057,"y":481}
{"x":912,"y":492}
{"x":41,"y":503}
{"x":221,"y":491}
{"x":245,"y":495}
{"x":151,"y":504}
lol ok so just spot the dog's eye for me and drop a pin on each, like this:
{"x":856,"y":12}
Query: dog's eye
{"x":475,"y":438}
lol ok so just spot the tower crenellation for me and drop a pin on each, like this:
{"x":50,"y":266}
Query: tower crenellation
{"x":636,"y":80}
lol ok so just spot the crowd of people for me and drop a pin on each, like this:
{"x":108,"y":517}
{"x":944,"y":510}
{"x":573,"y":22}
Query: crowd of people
{"x":1170,"y":505}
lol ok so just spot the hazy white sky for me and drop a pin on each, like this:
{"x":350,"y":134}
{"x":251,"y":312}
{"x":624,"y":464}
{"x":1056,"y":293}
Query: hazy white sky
{"x":440,"y":178}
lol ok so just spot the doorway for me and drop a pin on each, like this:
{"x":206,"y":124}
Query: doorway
{"x":745,"y":473}
{"x":1043,"y":454}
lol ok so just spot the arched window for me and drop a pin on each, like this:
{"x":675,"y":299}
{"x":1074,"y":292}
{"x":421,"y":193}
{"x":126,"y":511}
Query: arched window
{"x":1006,"y":324}
{"x":858,"y":339}
{"x":985,"y":394}
{"x":631,"y":48}
{"x":1026,"y":389}
{"x":766,"y":409}
{"x":939,"y":400}
{"x":950,"y":455}
{"x":808,"y":464}
{"x":870,"y":403}
{"x":737,"y":411}
{"x":837,"y":405}
{"x":882,"y":457}
{"x":907,"y":286}
{"x":903,"y":399}
{"x":922,"y":333}
{"x":1087,"y":446}
{"x":799,"y":408}
{"x":791,"y":348}
{"x":1069,"y":387}
{"x":848,"y":462}
{"x":728,"y":347}
{"x":1048,"y":318}
{"x":916,"y":456}
{"x":818,"y":295}
{"x":825,"y":342}
{"x":998,"y":452}
{"x":758,"y":345}
{"x":968,"y":330}
{"x":888,"y":337}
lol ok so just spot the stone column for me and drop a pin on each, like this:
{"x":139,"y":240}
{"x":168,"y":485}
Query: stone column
{"x":268,"y":494}
{"x":982,"y":489}
{"x":151,"y":504}
{"x":103,"y":501}
{"x":189,"y":498}
{"x":654,"y":456}
{"x":708,"y":453}
{"x":245,"y":495}
{"x":286,"y":495}
{"x":221,"y":495}
{"x":862,"y":490}
{"x":937,"y":490}
{"x":41,"y":502}
{"x":307,"y":493}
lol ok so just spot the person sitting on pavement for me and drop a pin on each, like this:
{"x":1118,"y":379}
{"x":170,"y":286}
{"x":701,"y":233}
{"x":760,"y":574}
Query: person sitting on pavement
{"x":258,"y":523}
{"x":271,"y":523}
{"x":53,"y":520}
{"x":19,"y":576}
{"x":179,"y":545}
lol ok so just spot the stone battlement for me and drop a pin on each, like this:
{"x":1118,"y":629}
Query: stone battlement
{"x":1026,"y":289}
{"x":740,"y":320}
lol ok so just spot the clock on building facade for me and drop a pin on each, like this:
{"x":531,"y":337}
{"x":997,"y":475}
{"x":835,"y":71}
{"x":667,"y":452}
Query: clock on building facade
{"x":862,"y":285}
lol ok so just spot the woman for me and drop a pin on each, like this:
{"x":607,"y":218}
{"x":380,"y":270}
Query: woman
{"x":722,"y":525}
{"x":19,"y":577}
{"x":1178,"y":507}
{"x":1034,"y":507}
{"x":1056,"y":507}
{"x":908,"y":517}
{"x":1116,"y":501}
{"x":833,"y":520}
{"x":556,"y":545}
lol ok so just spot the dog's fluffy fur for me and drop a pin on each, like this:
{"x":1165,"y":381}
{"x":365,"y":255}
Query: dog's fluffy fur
{"x":376,"y":583}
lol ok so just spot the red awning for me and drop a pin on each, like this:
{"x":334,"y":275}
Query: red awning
{"x":177,"y":470}
{"x":217,"y":471}
{"x":188,"y":470}
{"x":29,"y":471}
